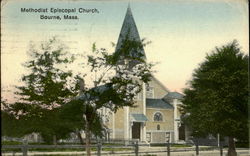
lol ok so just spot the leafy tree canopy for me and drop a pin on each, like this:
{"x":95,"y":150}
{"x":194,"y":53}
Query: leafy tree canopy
{"x":116,"y":80}
{"x":217,"y":98}
{"x":46,"y":87}
{"x":51,"y":106}
{"x":216,"y":101}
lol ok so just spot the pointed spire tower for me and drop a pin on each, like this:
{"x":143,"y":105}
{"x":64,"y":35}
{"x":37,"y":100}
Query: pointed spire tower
{"x":129,"y":31}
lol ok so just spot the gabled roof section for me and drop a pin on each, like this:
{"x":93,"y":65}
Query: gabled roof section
{"x":129,"y":30}
{"x":174,"y":95}
{"x":158,"y":103}
{"x":157,"y":81}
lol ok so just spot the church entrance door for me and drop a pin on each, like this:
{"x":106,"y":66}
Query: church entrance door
{"x":182,"y":132}
{"x":136,"y":130}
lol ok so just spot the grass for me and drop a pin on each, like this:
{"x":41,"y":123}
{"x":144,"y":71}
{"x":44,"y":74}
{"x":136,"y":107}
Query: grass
{"x":172,"y":145}
{"x":84,"y":155}
{"x":64,"y":155}
{"x":11,"y":150}
{"x":80,"y":149}
{"x":117,"y":149}
{"x":113,"y":144}
{"x":57,"y":149}
{"x":11,"y":143}
{"x":180,"y":145}
{"x":242,"y":144}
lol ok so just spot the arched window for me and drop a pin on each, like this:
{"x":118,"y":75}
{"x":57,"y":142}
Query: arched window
{"x":158,"y":117}
{"x":158,"y":127}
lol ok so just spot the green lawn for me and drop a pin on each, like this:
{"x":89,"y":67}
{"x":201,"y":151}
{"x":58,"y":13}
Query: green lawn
{"x":172,"y":145}
{"x":58,"y":149}
{"x":11,"y":143}
{"x":180,"y":145}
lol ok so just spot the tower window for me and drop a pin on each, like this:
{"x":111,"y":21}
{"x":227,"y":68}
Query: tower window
{"x":149,"y":91}
{"x":158,"y":117}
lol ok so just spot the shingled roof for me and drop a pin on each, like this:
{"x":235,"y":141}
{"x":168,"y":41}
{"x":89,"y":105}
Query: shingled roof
{"x":174,"y":95}
{"x":129,"y":29}
{"x":158,"y":103}
{"x":139,"y":117}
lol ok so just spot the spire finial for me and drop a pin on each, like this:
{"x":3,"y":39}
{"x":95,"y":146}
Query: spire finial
{"x":129,"y":9}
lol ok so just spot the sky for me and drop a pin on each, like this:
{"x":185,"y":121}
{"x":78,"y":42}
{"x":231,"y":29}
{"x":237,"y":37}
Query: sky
{"x":181,"y":32}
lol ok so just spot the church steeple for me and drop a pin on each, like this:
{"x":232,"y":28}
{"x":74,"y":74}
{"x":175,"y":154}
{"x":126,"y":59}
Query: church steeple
{"x":129,"y":29}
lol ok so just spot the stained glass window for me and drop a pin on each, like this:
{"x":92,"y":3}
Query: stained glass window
{"x":158,"y":117}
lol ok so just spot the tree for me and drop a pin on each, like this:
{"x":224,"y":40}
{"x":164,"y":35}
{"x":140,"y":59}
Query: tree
{"x":118,"y":77}
{"x":118,"y":80}
{"x":216,"y":101}
{"x":45,"y":88}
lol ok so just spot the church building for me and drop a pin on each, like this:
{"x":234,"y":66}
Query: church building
{"x":156,"y":117}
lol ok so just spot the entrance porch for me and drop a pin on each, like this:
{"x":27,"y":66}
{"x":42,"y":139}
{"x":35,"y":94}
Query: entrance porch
{"x":138,"y":127}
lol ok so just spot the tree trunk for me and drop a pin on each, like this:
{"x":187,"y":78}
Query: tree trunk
{"x":231,"y":147}
{"x":88,"y":135}
{"x":80,"y":137}
{"x":54,"y":139}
